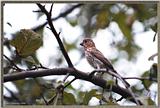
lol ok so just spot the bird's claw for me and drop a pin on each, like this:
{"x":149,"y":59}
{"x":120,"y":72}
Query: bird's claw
{"x":91,"y":74}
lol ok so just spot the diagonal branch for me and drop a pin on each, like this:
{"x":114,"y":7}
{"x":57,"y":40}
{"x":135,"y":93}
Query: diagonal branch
{"x":55,"y":34}
{"x":76,"y":73}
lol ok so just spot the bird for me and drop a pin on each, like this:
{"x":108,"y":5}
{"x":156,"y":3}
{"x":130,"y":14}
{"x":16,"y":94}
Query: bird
{"x":97,"y":60}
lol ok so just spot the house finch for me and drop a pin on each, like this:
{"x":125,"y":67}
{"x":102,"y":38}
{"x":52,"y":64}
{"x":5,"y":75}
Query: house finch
{"x":97,"y":60}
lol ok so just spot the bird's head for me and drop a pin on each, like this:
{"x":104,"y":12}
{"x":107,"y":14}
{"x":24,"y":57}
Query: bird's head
{"x":88,"y":43}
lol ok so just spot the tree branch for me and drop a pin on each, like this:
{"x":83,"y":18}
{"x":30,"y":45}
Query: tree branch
{"x":55,"y":33}
{"x":63,"y":14}
{"x":76,"y":73}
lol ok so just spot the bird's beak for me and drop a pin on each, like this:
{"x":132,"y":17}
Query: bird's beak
{"x":81,"y":44}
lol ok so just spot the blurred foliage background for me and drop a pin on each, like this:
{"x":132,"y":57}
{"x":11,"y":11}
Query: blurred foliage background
{"x":90,"y":18}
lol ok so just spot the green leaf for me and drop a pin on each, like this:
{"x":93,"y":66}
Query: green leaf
{"x":70,"y":87}
{"x":36,"y":90}
{"x":69,"y":99}
{"x":73,"y":22}
{"x":88,"y":96}
{"x":28,"y":89}
{"x":144,"y":11}
{"x":102,"y":20}
{"x":69,"y":46}
{"x":146,"y":83}
{"x":150,"y":101}
{"x":26,"y":42}
{"x":121,"y":19}
{"x":20,"y":84}
{"x":80,"y":96}
{"x":98,"y":96}
{"x":40,"y":102}
{"x":125,"y":22}
{"x":153,"y":71}
{"x":110,"y":82}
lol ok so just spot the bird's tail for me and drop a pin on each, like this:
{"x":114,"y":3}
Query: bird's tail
{"x":127,"y":85}
{"x":125,"y":82}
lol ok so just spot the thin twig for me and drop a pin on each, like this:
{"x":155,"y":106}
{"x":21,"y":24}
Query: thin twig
{"x":68,"y":74}
{"x":63,"y":14}
{"x":56,"y":99}
{"x":48,"y":28}
{"x":52,"y":99}
{"x":154,"y":38}
{"x":119,"y":99}
{"x":9,"y":24}
{"x":152,"y":57}
{"x":12,"y":63}
{"x":41,"y":66}
{"x":38,"y":67}
{"x":50,"y":12}
{"x":142,"y":78}
{"x":45,"y":101}
{"x":69,"y":83}
{"x":36,"y":11}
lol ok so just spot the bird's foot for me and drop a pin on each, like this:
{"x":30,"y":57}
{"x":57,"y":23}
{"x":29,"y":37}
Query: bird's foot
{"x":91,"y":74}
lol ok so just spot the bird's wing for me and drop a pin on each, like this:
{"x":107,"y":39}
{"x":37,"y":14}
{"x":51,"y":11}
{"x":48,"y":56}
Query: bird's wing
{"x":97,"y":54}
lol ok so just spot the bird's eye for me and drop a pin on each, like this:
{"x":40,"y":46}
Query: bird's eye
{"x":85,"y":41}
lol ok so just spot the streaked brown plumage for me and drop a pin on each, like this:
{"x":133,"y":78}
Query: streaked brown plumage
{"x":96,"y":59}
